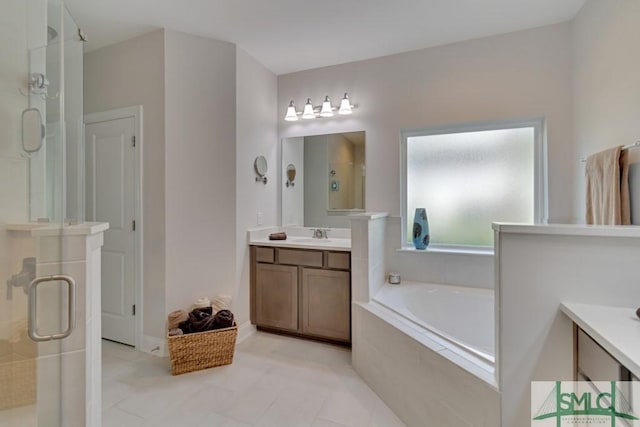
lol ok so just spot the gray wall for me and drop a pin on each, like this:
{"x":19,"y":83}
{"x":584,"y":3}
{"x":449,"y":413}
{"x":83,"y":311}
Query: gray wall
{"x":516,"y":75}
{"x":122,"y":75}
{"x":256,"y":134}
{"x":209,"y":110}
{"x":200,"y":190}
{"x":606,"y":61}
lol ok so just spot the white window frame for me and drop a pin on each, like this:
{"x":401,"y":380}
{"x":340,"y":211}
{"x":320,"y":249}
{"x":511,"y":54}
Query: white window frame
{"x":540,"y":214}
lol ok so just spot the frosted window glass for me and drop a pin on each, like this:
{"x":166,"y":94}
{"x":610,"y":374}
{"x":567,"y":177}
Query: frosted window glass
{"x":468,"y":180}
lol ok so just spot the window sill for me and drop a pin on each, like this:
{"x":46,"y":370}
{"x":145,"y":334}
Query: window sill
{"x":449,"y":250}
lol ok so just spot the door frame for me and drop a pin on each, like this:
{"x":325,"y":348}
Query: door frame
{"x":136,"y":112}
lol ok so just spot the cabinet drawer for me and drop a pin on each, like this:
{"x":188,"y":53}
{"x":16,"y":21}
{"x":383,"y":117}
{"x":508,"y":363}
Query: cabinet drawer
{"x":265,"y":255}
{"x":594,"y":362}
{"x":299,"y":257}
{"x":338,"y":260}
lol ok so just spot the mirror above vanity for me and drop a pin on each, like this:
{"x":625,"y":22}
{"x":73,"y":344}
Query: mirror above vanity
{"x":329,"y":173}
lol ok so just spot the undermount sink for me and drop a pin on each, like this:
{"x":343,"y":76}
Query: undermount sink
{"x":311,"y":240}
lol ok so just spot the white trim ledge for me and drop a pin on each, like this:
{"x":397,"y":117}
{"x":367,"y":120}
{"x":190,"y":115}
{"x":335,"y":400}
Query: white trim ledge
{"x":366,"y":216}
{"x":84,"y":229}
{"x":448,"y":250}
{"x":569,"y":229}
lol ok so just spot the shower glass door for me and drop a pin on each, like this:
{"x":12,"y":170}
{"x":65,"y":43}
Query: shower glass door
{"x":40,"y":56}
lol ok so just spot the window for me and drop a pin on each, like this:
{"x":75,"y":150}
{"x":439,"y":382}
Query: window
{"x":470,"y":176}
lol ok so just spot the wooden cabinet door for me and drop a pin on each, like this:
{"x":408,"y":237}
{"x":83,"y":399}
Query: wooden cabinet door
{"x":326,"y":303}
{"x":277,"y":296}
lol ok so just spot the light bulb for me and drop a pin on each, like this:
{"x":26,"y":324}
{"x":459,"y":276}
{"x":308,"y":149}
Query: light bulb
{"x":345,"y":105}
{"x":308,"y":110}
{"x":291,"y":116}
{"x":326,"y":108}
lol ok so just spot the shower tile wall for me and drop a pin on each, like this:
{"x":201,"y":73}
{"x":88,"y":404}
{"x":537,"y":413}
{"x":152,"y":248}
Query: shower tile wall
{"x":71,"y":366}
{"x":367,"y":255}
{"x":64,"y":377}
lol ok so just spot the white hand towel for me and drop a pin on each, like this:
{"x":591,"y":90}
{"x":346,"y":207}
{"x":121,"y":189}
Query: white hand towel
{"x":221,"y":302}
{"x":202,"y":302}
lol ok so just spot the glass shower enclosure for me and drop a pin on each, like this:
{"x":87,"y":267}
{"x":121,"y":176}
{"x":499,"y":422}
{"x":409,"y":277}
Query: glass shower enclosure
{"x":41,"y":186}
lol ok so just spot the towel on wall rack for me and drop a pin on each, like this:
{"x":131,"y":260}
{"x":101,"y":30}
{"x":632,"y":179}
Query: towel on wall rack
{"x":626,"y":147}
{"x":607,"y":179}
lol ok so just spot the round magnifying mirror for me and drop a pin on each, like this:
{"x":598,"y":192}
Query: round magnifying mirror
{"x":260,"y":166}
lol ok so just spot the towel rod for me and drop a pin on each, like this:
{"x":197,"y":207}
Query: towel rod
{"x":626,"y":147}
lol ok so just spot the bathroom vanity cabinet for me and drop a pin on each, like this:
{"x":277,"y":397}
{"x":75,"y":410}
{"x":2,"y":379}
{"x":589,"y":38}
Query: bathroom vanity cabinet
{"x":303,"y":292}
{"x":604,"y":348}
{"x":594,"y":363}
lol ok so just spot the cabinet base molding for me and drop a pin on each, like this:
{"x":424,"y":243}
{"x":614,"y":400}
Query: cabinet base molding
{"x":305,"y":336}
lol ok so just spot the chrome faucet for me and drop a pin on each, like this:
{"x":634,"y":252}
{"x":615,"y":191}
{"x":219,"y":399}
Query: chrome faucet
{"x":320,"y":233}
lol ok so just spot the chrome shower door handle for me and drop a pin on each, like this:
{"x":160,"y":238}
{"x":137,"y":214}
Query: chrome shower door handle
{"x":33,"y":307}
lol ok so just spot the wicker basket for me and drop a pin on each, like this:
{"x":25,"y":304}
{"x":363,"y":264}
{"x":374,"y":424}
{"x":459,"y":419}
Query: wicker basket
{"x":202,"y":350}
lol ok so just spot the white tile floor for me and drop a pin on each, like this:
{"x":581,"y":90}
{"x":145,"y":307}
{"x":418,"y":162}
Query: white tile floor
{"x":273,"y":381}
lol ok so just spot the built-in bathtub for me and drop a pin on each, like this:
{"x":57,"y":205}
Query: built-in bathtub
{"x":428,"y":351}
{"x":462,"y":316}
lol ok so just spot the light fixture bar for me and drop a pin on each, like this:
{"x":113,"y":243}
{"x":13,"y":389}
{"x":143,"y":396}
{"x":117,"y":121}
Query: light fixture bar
{"x":325,"y":110}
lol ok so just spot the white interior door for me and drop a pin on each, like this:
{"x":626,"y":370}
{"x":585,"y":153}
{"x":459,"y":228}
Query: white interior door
{"x":110,"y":192}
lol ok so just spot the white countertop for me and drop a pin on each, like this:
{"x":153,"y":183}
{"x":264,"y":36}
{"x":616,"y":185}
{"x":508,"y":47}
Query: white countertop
{"x":300,"y":237}
{"x":616,"y":329}
{"x":331,"y":244}
{"x":569,"y":229}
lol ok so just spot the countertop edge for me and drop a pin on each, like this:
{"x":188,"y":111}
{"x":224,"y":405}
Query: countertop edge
{"x":578,"y":313}
{"x":288,"y":244}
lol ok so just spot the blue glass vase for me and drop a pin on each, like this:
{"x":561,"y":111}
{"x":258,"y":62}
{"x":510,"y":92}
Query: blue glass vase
{"x":420,"y":229}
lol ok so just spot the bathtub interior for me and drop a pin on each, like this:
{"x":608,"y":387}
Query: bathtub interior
{"x":463,"y":318}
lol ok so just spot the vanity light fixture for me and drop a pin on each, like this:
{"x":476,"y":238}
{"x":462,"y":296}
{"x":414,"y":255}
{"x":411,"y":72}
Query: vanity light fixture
{"x":308,"y":112}
{"x":327,"y":110}
{"x":292,"y":114}
{"x":345,"y":105}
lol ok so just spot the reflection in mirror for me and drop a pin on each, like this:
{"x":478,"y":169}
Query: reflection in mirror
{"x":291,"y":175}
{"x":32,"y":130}
{"x":330,"y":177}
